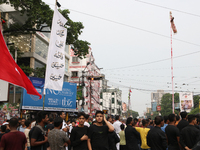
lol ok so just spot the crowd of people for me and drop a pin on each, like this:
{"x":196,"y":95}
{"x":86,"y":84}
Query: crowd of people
{"x":53,"y":133}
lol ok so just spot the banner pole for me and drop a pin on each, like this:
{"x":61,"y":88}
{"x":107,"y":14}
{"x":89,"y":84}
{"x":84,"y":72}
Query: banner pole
{"x":44,"y":92}
{"x":172,"y":73}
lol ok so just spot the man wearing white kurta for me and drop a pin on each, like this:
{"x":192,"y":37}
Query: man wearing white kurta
{"x":116,"y":125}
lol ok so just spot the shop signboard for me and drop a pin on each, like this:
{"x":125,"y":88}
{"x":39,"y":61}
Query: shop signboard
{"x":64,"y":100}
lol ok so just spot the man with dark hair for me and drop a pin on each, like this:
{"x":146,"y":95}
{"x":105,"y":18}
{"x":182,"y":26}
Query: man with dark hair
{"x":156,"y":138}
{"x":122,"y":138}
{"x":183,"y":123}
{"x":64,"y":125}
{"x":173,"y":134}
{"x":37,"y":135}
{"x":132,"y":136}
{"x":178,"y":119}
{"x":3,"y":130}
{"x":50,"y":125}
{"x":166,"y":121}
{"x":26,"y":132}
{"x":79,"y":136}
{"x":98,"y":133}
{"x":143,"y":134}
{"x":190,"y":135}
{"x":57,"y":138}
{"x":14,"y":140}
{"x":23,"y":126}
{"x":86,"y":123}
{"x":116,"y":125}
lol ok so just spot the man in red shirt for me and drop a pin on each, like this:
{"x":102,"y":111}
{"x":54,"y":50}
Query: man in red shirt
{"x":14,"y":140}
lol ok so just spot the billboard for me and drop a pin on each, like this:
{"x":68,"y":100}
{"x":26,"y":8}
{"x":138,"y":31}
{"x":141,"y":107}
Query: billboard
{"x":64,"y":100}
{"x":124,"y":107}
{"x":4,"y":90}
{"x":186,"y":101}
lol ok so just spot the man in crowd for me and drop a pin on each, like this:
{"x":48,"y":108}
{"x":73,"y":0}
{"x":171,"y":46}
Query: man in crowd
{"x":183,"y":123}
{"x":143,"y":134}
{"x":26,"y":132}
{"x":86,"y":123}
{"x":132,"y":136}
{"x":14,"y":140}
{"x":190,"y":135}
{"x":57,"y":138}
{"x":98,"y":133}
{"x":166,"y":121}
{"x":37,"y":135}
{"x":3,"y":130}
{"x":156,"y":138}
{"x":79,"y":134}
{"x":64,"y":125}
{"x":173,"y":134}
{"x":23,"y":126}
{"x":116,"y":125}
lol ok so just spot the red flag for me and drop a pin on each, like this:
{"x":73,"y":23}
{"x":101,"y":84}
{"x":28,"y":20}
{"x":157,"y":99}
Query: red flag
{"x":172,"y":23}
{"x":11,"y":72}
{"x":130,"y":91}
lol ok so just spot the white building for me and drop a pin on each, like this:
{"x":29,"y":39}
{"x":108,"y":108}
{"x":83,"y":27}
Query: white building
{"x":80,"y":70}
{"x":111,"y":100}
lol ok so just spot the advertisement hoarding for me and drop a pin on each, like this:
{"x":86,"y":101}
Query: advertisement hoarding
{"x":64,"y":100}
{"x":3,"y":91}
{"x":186,"y":101}
{"x":124,"y":107}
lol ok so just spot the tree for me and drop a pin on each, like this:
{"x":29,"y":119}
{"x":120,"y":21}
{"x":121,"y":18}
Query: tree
{"x":166,"y":103}
{"x":38,"y":13}
{"x":196,"y":101}
{"x":194,"y":111}
{"x":133,"y":113}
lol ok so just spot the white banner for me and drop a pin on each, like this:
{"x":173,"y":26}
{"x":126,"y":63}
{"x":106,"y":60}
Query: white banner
{"x":186,"y":101}
{"x":3,"y":90}
{"x":56,"y":53}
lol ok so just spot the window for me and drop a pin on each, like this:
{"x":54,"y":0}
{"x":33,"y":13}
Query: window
{"x":113,"y":100}
{"x":113,"y":93}
{"x":113,"y":111}
{"x":74,"y":73}
{"x":101,"y":103}
{"x":101,"y":95}
{"x":75,"y":59}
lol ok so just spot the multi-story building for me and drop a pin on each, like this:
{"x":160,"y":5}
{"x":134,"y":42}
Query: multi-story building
{"x":80,"y":71}
{"x":111,"y":100}
{"x":34,"y":46}
{"x":157,"y":96}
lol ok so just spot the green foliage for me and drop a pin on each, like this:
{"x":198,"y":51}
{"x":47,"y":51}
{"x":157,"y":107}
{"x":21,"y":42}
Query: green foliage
{"x":194,"y":111}
{"x":39,"y":72}
{"x":196,"y":101}
{"x":39,"y":13}
{"x":166,"y":103}
{"x":133,"y":113}
{"x":27,"y":69}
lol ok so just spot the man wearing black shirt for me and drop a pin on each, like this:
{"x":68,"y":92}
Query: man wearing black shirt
{"x":131,"y":135}
{"x":3,"y":130}
{"x":183,"y":123}
{"x":37,"y":135}
{"x":156,"y":138}
{"x":79,"y":134}
{"x":173,"y":134}
{"x":98,"y":133}
{"x":190,"y":135}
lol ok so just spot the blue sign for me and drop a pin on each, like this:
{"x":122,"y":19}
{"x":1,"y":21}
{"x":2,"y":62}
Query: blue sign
{"x":154,"y":106}
{"x":64,"y":100}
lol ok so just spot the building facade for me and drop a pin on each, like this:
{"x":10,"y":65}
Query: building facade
{"x":156,"y":99}
{"x":33,"y":46}
{"x":111,"y":100}
{"x":81,"y":70}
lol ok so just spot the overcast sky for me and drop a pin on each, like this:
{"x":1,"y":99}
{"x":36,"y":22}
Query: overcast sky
{"x":132,"y":34}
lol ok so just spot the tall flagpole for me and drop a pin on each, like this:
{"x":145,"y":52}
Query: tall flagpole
{"x":172,"y":69}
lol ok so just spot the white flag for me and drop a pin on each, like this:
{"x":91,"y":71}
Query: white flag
{"x":56,"y":53}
